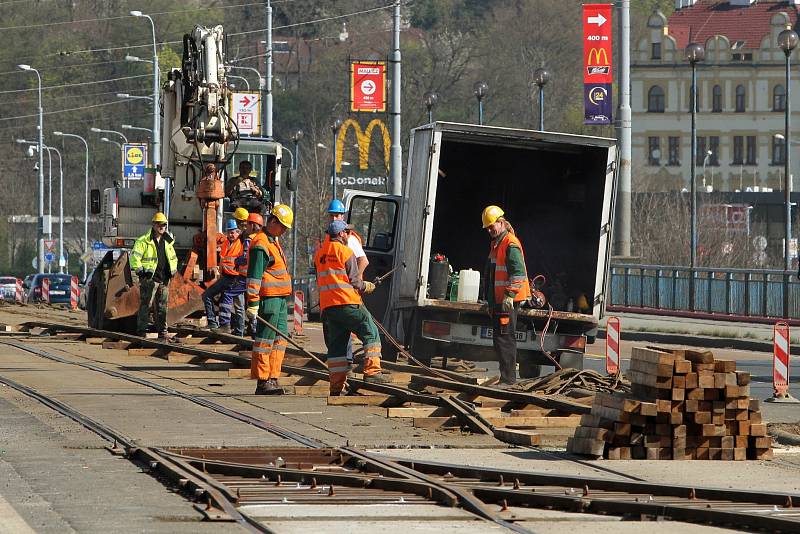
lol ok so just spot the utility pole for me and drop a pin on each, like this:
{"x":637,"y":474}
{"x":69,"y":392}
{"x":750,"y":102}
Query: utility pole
{"x":396,"y":150}
{"x":622,"y":240}
{"x":266,"y":93}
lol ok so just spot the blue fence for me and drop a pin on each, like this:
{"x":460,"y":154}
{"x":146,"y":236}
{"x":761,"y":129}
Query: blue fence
{"x":735,"y":293}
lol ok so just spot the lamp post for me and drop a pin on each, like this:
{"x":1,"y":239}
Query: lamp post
{"x":296,"y":140}
{"x":694,"y":54}
{"x":156,"y":158}
{"x":480,"y":89}
{"x":430,"y":98}
{"x":99,"y":130}
{"x":85,"y":198}
{"x":787,"y":40}
{"x":540,"y":78}
{"x":261,"y":81}
{"x":246,"y":83}
{"x":137,"y":128}
{"x":40,"y":232}
{"x":337,"y":124}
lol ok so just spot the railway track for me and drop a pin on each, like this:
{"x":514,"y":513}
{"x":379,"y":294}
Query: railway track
{"x":231,"y":481}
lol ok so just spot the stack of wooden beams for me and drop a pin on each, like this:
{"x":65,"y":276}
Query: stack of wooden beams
{"x":684,"y":405}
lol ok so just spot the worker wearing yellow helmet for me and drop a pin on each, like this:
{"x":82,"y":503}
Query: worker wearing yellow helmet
{"x":507,"y":286}
{"x":153,"y":262}
{"x":233,"y":296}
{"x":268,"y":286}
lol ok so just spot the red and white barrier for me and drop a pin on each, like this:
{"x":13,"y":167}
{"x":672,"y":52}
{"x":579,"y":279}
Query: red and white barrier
{"x":18,"y":293}
{"x":780,"y":361}
{"x":74,"y":293}
{"x":612,"y":345}
{"x":299,"y":308}
{"x":46,"y":290}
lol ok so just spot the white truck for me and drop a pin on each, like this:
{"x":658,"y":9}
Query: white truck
{"x":200,"y":148}
{"x":558,"y":192}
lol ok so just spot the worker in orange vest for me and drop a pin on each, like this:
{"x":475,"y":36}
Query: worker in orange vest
{"x":342,"y":310}
{"x":507,"y":286}
{"x":228,"y":281}
{"x":268,"y":286}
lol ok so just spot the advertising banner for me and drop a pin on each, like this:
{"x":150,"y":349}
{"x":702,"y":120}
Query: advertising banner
{"x":134,"y":159}
{"x":368,"y":86}
{"x":245,"y":109}
{"x":597,"y":63}
{"x":370,"y":173}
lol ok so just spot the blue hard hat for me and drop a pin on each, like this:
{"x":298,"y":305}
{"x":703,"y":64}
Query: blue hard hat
{"x":336,"y":206}
{"x":231,"y":225}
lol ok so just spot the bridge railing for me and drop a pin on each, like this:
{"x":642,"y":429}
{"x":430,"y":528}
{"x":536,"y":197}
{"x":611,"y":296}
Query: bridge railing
{"x":727,"y":293}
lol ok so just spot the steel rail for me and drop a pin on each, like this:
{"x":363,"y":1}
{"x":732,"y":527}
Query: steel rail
{"x":152,"y":458}
{"x":239,"y":416}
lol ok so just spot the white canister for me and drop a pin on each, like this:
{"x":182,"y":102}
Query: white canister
{"x":469,"y":283}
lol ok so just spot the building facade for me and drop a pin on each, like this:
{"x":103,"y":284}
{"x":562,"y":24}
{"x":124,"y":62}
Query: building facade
{"x":741,"y":97}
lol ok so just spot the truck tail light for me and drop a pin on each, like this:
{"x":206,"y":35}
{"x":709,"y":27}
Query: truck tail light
{"x":435,"y":329}
{"x":574,"y":342}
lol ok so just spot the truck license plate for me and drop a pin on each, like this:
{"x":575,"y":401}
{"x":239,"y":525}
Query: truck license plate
{"x":487,"y":333}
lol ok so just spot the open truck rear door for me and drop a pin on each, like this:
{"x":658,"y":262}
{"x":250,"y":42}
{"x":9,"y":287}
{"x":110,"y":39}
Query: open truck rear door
{"x":376,"y":218}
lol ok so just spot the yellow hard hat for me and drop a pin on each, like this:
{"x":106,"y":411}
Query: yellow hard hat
{"x":284,"y":214}
{"x":491,"y":214}
{"x":159,"y":218}
{"x":241,"y":214}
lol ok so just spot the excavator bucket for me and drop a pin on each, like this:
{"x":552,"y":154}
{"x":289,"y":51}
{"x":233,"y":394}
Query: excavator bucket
{"x":113,"y":300}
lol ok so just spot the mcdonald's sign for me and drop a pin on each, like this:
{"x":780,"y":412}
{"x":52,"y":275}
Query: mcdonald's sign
{"x":597,"y":55}
{"x":363,"y":140}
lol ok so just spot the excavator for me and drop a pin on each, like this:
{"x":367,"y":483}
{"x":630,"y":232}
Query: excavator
{"x":201,"y":147}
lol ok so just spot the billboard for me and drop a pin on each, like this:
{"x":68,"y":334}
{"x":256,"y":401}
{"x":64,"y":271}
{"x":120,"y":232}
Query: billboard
{"x":369,"y":173}
{"x":134,"y":159}
{"x":733,"y":218}
{"x":245,"y":109}
{"x":597,"y":63}
{"x":368,"y":86}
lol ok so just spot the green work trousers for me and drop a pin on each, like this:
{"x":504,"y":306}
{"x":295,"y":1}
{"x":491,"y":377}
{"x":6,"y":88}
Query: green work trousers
{"x":268,"y":347}
{"x":339,"y":322}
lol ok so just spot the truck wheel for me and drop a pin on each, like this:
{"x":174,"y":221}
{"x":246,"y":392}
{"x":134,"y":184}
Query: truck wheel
{"x":529,"y":370}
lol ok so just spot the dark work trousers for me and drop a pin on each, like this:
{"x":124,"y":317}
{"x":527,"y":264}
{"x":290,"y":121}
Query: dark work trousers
{"x":505,"y":345}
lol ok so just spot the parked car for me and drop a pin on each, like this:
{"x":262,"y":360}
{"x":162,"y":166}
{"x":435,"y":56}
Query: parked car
{"x":8,"y":288}
{"x":85,"y":287}
{"x":59,"y":288}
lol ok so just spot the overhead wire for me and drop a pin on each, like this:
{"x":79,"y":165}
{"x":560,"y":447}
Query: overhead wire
{"x":54,"y":112}
{"x":75,"y":84}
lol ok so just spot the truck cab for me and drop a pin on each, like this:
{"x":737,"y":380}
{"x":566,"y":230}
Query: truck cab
{"x":557,"y":190}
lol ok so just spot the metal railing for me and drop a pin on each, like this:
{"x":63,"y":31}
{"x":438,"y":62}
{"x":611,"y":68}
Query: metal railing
{"x":721,"y":293}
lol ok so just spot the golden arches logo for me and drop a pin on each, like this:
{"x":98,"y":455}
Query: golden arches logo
{"x":363,"y":139}
{"x":598,"y":54}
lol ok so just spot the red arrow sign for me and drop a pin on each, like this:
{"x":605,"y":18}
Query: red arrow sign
{"x":245,"y":101}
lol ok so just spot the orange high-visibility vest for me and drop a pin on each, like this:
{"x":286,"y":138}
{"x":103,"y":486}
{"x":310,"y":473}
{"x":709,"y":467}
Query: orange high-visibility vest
{"x":334,"y":285}
{"x":497,"y":255}
{"x":229,"y":256}
{"x":275,"y":280}
{"x":245,"y":240}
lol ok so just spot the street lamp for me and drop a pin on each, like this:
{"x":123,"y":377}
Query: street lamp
{"x":480,"y":89}
{"x":430,"y":98}
{"x":246,"y":83}
{"x":41,"y":228}
{"x":694,"y":53}
{"x":135,"y":59}
{"x":337,"y":124}
{"x":788,"y":41}
{"x":85,"y":200}
{"x":134,"y":97}
{"x":156,"y":158}
{"x":99,"y":130}
{"x":296,"y":137}
{"x":705,"y":162}
{"x":33,"y":147}
{"x":261,"y":81}
{"x":129,"y":127}
{"x":540,"y":78}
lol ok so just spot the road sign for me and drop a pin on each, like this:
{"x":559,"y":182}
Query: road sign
{"x":49,"y":245}
{"x":98,"y":245}
{"x":246,"y":111}
{"x":780,"y":361}
{"x":368,"y":86}
{"x":134,"y":159}
{"x":597,"y":65}
{"x":49,"y":257}
{"x":612,"y":345}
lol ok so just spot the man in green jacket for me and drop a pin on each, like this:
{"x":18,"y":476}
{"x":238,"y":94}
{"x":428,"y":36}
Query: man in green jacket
{"x":154,"y":263}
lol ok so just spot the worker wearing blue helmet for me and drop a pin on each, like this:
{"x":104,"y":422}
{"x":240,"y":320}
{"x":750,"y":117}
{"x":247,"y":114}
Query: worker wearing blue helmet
{"x":229,"y":281}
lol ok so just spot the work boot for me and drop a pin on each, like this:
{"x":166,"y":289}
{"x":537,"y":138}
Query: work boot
{"x":378,"y":378}
{"x":505,"y":385}
{"x":277,"y":390}
{"x":224,"y":329}
{"x":264,"y":387}
{"x":164,"y":338}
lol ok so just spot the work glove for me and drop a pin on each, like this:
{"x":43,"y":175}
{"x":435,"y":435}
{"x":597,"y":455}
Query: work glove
{"x":508,"y":304}
{"x":369,"y":287}
{"x":252,"y":312}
